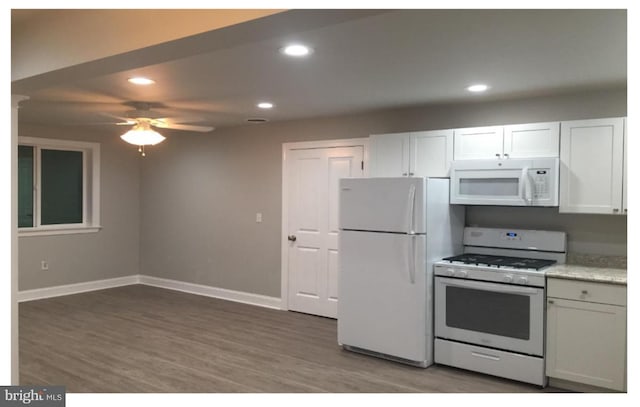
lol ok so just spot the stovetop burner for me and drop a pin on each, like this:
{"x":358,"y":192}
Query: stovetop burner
{"x":500,"y":261}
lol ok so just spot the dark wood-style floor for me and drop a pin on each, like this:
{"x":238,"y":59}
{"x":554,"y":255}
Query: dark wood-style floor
{"x":145,"y":339}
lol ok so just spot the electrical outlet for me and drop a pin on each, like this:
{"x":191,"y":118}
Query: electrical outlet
{"x":44,"y":265}
{"x":258,"y":217}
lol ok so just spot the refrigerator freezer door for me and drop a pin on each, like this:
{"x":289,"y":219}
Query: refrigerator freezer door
{"x":383,"y":204}
{"x":382,"y":290}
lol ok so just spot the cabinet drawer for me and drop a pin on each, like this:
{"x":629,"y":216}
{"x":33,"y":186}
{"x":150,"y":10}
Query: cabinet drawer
{"x":587,"y":291}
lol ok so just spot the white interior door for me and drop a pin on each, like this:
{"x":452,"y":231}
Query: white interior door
{"x":312,"y":224}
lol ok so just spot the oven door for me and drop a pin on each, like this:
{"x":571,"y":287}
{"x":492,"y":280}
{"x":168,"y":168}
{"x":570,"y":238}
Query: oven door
{"x":500,"y":316}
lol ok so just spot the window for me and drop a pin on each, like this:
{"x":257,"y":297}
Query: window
{"x":58,"y":186}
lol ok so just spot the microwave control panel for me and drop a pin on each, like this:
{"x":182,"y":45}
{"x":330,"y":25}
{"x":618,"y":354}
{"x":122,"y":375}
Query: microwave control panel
{"x":540,"y":183}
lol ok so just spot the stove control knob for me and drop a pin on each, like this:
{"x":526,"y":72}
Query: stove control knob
{"x":450,"y":271}
{"x":522,"y":280}
{"x":507,"y":278}
{"x":460,"y":273}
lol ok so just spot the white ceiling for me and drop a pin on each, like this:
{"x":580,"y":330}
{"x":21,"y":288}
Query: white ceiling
{"x":363,"y":62}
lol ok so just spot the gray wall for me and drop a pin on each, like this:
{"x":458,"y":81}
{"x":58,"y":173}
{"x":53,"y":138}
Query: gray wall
{"x":113,"y":251}
{"x":200,"y":193}
{"x":590,"y":234}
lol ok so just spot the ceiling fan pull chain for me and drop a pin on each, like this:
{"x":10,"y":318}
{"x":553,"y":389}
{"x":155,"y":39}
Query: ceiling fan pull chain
{"x":142,"y":148}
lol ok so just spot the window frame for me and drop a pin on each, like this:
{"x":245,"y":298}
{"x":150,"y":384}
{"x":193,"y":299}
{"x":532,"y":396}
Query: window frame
{"x":90,"y":186}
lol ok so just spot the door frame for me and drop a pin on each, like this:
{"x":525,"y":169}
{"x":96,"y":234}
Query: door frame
{"x":304,"y":145}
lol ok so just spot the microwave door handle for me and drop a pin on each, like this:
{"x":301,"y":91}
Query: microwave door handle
{"x":528,"y":186}
{"x":522,"y":185}
{"x":411,"y":204}
{"x":508,"y":289}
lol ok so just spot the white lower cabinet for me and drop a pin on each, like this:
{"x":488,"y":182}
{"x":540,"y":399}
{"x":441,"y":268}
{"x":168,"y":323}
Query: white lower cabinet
{"x":586,"y":333}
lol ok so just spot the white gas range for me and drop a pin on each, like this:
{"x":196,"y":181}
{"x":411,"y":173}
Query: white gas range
{"x":489,"y":302}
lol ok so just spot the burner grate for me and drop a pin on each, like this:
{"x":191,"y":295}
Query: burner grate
{"x":500,"y":261}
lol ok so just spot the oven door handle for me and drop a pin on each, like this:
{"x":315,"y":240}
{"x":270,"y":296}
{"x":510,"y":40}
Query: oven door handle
{"x":485,"y":286}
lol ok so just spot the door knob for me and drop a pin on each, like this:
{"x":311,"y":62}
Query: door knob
{"x":292,"y":238}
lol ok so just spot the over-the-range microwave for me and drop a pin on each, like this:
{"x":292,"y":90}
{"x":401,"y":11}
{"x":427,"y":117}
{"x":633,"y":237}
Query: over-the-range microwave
{"x":512,"y":182}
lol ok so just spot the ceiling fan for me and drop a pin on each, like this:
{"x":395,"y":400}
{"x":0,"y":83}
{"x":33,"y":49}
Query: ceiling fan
{"x":143,"y":119}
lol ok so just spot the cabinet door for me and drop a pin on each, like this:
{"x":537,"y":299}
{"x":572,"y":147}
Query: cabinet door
{"x":625,"y":163}
{"x":389,"y":155}
{"x":532,"y":140}
{"x":431,"y":153}
{"x":478,"y":143}
{"x":591,"y":153}
{"x":586,"y":343}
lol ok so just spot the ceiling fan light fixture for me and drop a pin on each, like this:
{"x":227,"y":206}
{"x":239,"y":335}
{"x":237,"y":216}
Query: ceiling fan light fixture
{"x":142,"y":135}
{"x":140,"y":80}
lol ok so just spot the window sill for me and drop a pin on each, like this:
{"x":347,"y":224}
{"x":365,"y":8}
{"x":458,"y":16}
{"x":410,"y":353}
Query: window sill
{"x":64,"y":230}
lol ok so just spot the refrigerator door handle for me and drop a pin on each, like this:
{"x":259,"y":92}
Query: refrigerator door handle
{"x":411,"y":209}
{"x":412,"y":259}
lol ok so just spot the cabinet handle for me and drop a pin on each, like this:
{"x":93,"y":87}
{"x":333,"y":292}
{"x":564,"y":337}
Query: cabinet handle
{"x":625,"y":210}
{"x":616,"y":209}
{"x":410,"y":173}
{"x":498,"y":155}
{"x":584,"y":292}
{"x":551,"y":302}
{"x":506,"y":155}
{"x":404,"y":174}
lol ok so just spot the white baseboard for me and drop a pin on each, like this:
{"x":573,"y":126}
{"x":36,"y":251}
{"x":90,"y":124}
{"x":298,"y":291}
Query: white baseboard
{"x":209,"y":291}
{"x":57,"y":291}
{"x":191,"y":288}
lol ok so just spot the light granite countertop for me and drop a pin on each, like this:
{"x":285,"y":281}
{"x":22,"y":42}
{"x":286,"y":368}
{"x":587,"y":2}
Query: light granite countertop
{"x":588,"y":273}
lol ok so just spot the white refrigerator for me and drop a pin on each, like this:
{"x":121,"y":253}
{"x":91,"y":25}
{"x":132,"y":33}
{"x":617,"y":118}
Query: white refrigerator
{"x":392,"y":230}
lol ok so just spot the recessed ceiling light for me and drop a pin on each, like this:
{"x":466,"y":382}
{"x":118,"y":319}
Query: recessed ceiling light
{"x":296,"y":50}
{"x":139,"y":80}
{"x":480,"y":87}
{"x":265,"y":105}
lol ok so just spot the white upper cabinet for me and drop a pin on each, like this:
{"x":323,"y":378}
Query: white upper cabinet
{"x":419,"y":154}
{"x":478,"y":143}
{"x":389,"y":154}
{"x":431,"y":153}
{"x":592,"y":166}
{"x":534,"y":140}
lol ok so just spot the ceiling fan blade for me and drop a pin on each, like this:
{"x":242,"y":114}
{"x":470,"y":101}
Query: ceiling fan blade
{"x":176,"y":126}
{"x":124,"y":121}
